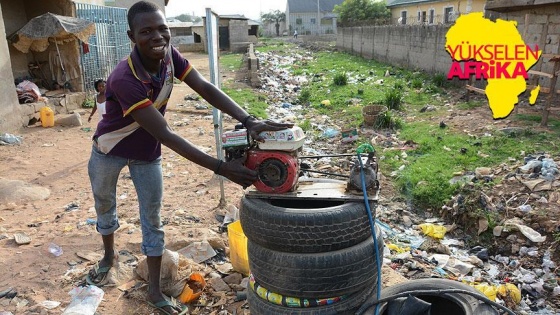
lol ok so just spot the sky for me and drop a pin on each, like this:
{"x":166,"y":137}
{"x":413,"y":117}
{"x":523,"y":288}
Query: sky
{"x":250,"y":8}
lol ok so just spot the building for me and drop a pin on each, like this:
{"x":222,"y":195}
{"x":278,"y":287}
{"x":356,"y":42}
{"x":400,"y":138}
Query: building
{"x":311,"y":17}
{"x":187,"y":36}
{"x":128,"y":3}
{"x":235,"y":32}
{"x":429,"y":12}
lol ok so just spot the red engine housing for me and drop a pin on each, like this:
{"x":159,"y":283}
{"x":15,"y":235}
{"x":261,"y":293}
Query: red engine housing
{"x":277,"y":170}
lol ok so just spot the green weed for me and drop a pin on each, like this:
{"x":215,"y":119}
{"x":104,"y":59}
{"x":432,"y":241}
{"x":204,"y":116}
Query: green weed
{"x":387,"y":120}
{"x":393,"y":99}
{"x":304,"y":96}
{"x":340,"y":79}
{"x":416,"y":83}
{"x":88,"y":102}
{"x":439,"y":80}
{"x":305,"y":125}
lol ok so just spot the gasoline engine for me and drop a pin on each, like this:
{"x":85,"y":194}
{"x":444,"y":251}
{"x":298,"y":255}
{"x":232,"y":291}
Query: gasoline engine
{"x":277,"y":161}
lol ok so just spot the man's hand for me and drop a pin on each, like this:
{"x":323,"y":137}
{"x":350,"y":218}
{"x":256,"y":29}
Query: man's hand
{"x":255,"y":127}
{"x":238,"y":173}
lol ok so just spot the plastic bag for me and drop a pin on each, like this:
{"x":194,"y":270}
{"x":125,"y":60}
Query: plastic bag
{"x":517,"y":224}
{"x":509,"y":289}
{"x":435,"y":231}
{"x":85,"y":300}
{"x":503,"y":290}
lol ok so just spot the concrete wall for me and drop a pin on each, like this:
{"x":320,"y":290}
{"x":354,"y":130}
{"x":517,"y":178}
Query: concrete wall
{"x":412,"y":47}
{"x":269,"y":29}
{"x":419,"y":47}
{"x":10,"y":115}
{"x":238,"y":35}
{"x":15,"y":18}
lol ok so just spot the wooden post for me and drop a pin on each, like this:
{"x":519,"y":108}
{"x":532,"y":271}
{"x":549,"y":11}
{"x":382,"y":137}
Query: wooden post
{"x":552,"y":93}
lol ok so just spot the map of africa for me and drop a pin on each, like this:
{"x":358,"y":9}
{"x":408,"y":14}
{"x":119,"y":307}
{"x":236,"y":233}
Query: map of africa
{"x":497,"y":49}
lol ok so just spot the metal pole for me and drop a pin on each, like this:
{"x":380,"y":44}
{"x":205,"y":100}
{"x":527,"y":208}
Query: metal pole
{"x":213,"y":48}
{"x":318,"y":17}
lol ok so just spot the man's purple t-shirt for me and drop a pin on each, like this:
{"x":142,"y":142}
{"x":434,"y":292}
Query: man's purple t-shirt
{"x":131,"y":87}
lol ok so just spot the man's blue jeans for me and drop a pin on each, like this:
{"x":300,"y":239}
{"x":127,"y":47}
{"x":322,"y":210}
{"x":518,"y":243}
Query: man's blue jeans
{"x":104,"y":171}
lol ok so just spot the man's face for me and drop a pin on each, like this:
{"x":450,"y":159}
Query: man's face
{"x":150,"y":34}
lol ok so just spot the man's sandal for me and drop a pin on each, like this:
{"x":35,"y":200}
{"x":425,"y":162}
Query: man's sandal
{"x":160,"y":306}
{"x":100,"y":275}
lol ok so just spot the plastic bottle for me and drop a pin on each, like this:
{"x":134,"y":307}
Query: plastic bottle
{"x":55,"y":249}
{"x":47,"y":116}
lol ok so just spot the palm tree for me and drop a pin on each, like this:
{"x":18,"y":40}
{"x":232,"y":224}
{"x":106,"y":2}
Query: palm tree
{"x":274,"y":17}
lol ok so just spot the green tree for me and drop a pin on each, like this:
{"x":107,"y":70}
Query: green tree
{"x":276,"y":17}
{"x":188,"y":18}
{"x":361,"y":10}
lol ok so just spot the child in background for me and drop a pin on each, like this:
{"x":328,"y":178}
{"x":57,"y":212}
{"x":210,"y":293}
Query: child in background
{"x":99,"y":105}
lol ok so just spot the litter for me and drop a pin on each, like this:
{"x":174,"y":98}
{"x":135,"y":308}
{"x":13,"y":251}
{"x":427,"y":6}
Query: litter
{"x":22,"y":238}
{"x":435,"y":231}
{"x":517,"y":224}
{"x":85,"y":300}
{"x":9,"y":139}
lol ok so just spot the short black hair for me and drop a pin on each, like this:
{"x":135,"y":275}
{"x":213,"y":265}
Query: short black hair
{"x":141,"y":7}
{"x":96,"y":84}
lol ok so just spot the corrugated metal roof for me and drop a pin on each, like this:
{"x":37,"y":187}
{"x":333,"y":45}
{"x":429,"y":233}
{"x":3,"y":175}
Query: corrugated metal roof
{"x":179,"y":24}
{"x":394,"y":3}
{"x":304,"y":6}
{"x":233,"y":17}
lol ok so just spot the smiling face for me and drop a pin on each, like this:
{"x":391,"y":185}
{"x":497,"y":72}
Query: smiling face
{"x":151,"y":35}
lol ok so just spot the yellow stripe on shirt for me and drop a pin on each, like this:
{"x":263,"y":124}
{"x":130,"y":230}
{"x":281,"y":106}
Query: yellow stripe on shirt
{"x":143,"y":103}
{"x":132,"y":67}
{"x":186,"y":72}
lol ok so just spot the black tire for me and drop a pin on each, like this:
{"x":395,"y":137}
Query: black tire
{"x":259,"y":306}
{"x":305,"y":226}
{"x":316,"y":275}
{"x":453,"y":303}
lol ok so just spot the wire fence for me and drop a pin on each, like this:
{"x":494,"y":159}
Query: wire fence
{"x":107,"y":46}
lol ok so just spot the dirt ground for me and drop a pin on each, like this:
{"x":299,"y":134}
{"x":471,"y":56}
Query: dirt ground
{"x":56,"y":158}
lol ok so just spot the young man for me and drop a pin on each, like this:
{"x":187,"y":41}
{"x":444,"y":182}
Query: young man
{"x":131,"y":134}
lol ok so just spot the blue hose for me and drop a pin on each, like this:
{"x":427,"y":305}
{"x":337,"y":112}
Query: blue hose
{"x":372,"y":226}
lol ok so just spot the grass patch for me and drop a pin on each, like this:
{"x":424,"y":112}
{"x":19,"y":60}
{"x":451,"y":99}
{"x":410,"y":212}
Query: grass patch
{"x":440,"y":153}
{"x":250,"y":100}
{"x":553,"y":124}
{"x":231,"y":61}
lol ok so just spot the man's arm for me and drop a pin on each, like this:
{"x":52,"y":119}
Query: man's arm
{"x":152,"y":121}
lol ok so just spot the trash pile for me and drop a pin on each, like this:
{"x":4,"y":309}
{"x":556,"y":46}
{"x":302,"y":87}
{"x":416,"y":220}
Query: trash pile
{"x":513,"y":261}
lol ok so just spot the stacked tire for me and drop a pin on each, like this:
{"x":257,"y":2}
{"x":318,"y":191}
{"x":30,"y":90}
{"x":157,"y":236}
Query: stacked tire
{"x":310,"y":250}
